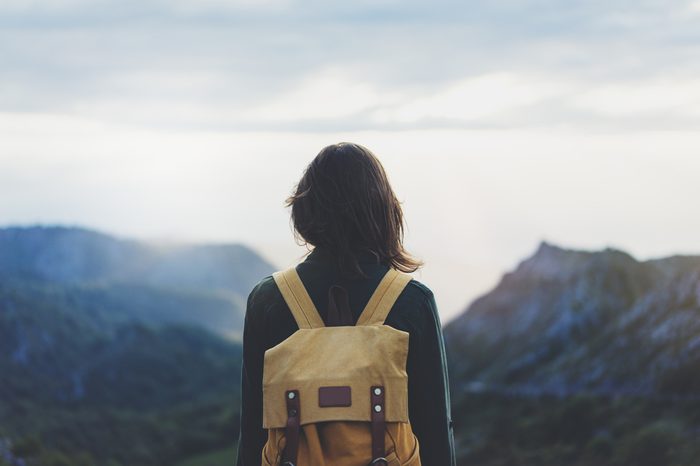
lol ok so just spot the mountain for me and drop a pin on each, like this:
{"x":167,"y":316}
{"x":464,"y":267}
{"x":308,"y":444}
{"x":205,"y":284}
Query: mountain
{"x":118,"y":352}
{"x":121,"y":279}
{"x":580,"y":358}
{"x":76,"y":392}
{"x":569,"y":321}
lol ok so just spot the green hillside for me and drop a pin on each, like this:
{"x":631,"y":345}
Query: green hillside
{"x":125,"y":393}
{"x":116,"y":352}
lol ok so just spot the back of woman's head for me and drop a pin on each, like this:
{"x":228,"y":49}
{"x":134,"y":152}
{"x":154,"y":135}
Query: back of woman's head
{"x":344,"y":203}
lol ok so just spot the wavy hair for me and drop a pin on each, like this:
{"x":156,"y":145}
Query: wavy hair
{"x":344,"y":202}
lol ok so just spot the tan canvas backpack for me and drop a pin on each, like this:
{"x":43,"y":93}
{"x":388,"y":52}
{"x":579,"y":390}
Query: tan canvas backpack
{"x":337,"y":395}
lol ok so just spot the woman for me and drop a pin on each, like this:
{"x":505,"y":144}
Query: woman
{"x":345,"y":208}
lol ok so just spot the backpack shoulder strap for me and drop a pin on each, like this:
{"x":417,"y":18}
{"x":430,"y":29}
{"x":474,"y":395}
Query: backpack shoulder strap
{"x":383,"y":298}
{"x":297,"y":298}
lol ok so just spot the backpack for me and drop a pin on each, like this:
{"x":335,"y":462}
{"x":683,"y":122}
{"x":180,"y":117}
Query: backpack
{"x":338,"y":395}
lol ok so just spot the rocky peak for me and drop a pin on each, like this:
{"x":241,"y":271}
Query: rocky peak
{"x":566,"y":320}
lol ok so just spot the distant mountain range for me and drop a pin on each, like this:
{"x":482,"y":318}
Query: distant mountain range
{"x":566,"y":322}
{"x":118,"y":352}
{"x":126,"y":280}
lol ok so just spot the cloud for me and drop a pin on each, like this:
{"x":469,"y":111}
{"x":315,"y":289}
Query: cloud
{"x":39,"y":7}
{"x":312,"y":65}
{"x":326,"y":94}
{"x":472,"y":99}
{"x":660,"y":97}
{"x":694,"y":7}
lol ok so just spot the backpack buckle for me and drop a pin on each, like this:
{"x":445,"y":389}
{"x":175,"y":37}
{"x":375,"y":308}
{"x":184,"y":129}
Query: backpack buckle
{"x":379,"y":461}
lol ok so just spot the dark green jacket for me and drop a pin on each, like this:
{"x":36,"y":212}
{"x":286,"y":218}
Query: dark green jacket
{"x":268,"y":322}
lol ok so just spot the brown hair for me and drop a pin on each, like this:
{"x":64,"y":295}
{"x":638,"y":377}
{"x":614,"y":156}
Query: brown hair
{"x":344,"y":202}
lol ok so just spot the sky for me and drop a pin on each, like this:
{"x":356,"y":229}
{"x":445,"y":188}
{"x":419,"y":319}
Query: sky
{"x":501,"y":124}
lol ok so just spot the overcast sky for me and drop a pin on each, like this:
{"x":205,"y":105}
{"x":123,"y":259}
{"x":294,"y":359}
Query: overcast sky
{"x":500,"y":123}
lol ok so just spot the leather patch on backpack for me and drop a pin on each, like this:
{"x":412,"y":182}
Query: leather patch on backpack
{"x":334,"y":396}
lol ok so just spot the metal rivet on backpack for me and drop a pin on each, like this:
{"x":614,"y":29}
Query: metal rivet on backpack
{"x":291,"y":395}
{"x":378,"y":408}
{"x":377,"y":391}
{"x":292,"y":412}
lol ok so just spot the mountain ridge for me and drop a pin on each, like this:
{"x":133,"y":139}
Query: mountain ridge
{"x":567,"y":321}
{"x":138,"y":279}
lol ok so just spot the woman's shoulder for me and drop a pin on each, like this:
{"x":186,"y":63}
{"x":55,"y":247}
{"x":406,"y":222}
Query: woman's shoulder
{"x":419,"y":290}
{"x":264,"y":290}
{"x":415,"y":303}
{"x":416,"y":294}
